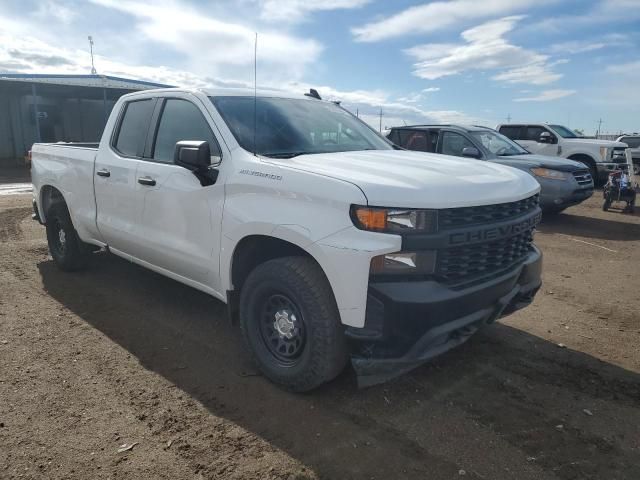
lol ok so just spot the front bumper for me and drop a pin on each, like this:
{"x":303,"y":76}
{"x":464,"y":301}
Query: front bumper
{"x":562,"y":194}
{"x":409,"y":323}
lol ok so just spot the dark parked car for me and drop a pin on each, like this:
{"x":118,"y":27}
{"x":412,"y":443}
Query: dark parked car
{"x":564,"y":182}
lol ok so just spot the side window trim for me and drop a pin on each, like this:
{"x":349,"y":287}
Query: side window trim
{"x":154,"y":127}
{"x":116,"y":131}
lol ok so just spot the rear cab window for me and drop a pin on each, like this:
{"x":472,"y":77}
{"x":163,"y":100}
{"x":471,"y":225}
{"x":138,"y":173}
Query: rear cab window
{"x":514,"y":132}
{"x":133,"y":126}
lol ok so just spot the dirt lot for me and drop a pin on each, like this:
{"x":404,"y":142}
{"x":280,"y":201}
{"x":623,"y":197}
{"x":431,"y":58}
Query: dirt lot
{"x":117,"y":355}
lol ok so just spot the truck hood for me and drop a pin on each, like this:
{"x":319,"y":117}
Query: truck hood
{"x":544,"y":161}
{"x":399,"y":178}
{"x":595,"y":141}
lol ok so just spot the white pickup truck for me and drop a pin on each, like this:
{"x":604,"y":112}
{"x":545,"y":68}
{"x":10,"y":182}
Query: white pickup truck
{"x":601,"y":156}
{"x":325,"y":241}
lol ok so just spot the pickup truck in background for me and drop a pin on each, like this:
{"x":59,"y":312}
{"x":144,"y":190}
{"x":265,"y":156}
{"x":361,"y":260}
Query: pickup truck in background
{"x":324,"y":240}
{"x":563,"y":182}
{"x":633,"y":141}
{"x":601,"y":156}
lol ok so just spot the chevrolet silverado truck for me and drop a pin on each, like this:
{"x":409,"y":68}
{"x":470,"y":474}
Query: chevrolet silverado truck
{"x":563,"y":182}
{"x":326,"y":242}
{"x":600,"y":156}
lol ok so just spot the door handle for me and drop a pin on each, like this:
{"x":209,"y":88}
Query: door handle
{"x":103,"y":173}
{"x":146,"y":181}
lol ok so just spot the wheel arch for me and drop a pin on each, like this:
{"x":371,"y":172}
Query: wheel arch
{"x":255,"y":249}
{"x":582,"y":157}
{"x":47,"y":196}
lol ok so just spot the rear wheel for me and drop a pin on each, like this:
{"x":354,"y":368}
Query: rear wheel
{"x":66,"y":248}
{"x":290,"y":323}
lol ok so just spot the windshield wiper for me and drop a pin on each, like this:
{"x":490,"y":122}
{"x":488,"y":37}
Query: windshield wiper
{"x":285,"y":154}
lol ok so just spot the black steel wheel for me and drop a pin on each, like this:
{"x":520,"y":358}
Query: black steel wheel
{"x":66,"y":248}
{"x":282,"y":328}
{"x":291,"y":324}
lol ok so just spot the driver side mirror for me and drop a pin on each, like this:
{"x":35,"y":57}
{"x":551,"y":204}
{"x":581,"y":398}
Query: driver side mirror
{"x":545,"y":137}
{"x":194,"y":155}
{"x":471,"y":152}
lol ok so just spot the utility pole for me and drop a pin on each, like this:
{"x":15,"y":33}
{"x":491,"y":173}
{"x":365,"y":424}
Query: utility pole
{"x":357,"y":113}
{"x":599,"y":126}
{"x":380,"y":130}
{"x":93,"y":67}
{"x":508,"y":118}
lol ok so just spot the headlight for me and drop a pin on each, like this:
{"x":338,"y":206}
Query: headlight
{"x":404,"y":263}
{"x":548,"y":173}
{"x":394,"y":220}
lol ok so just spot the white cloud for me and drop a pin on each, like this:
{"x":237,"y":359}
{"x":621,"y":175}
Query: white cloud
{"x":546,"y":96}
{"x":419,"y":96}
{"x":48,"y":10}
{"x":485,"y":48}
{"x":581,"y":46}
{"x":24,"y":54}
{"x":214,"y":46}
{"x":438,"y":15}
{"x":298,"y":10}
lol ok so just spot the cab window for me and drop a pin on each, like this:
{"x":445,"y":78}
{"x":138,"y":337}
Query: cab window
{"x":181,"y":120}
{"x":133,"y":128}
{"x":453,"y":144}
{"x":511,"y":131}
{"x":533,"y":132}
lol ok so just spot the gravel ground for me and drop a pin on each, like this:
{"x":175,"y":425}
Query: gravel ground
{"x":119,"y":355}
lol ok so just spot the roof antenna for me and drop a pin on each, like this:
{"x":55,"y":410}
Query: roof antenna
{"x":255,"y":92}
{"x":93,"y":67}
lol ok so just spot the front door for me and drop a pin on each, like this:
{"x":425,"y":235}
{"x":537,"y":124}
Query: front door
{"x":532,"y":141}
{"x":180,"y":219}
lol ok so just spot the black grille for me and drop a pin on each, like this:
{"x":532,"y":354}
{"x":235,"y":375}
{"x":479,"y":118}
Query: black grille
{"x":465,"y":263}
{"x":449,"y":218}
{"x":583,"y":177}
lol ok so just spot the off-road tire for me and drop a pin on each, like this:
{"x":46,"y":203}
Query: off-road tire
{"x":324,"y":352}
{"x":72,"y":254}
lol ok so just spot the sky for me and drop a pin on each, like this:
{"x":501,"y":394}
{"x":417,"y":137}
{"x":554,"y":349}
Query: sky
{"x":573,"y":62}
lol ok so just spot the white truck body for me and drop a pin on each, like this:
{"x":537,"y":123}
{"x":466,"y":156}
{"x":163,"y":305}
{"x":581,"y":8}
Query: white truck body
{"x":601,"y":156}
{"x":159,"y":215}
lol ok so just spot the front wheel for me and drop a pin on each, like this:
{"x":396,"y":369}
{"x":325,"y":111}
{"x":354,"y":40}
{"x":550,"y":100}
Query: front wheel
{"x":290,"y":323}
{"x":66,"y":248}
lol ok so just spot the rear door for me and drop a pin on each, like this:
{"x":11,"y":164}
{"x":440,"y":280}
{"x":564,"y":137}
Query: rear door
{"x":421,"y":140}
{"x":115,"y":175}
{"x":180,"y":219}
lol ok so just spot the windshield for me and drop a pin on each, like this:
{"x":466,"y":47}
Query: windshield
{"x":564,"y":132}
{"x":497,"y":143}
{"x":286,"y":127}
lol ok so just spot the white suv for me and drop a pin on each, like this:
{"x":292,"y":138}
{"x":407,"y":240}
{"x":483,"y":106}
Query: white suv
{"x":601,"y":156}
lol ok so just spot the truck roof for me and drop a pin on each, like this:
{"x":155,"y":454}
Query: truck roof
{"x":467,"y":128}
{"x":227,"y":92}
